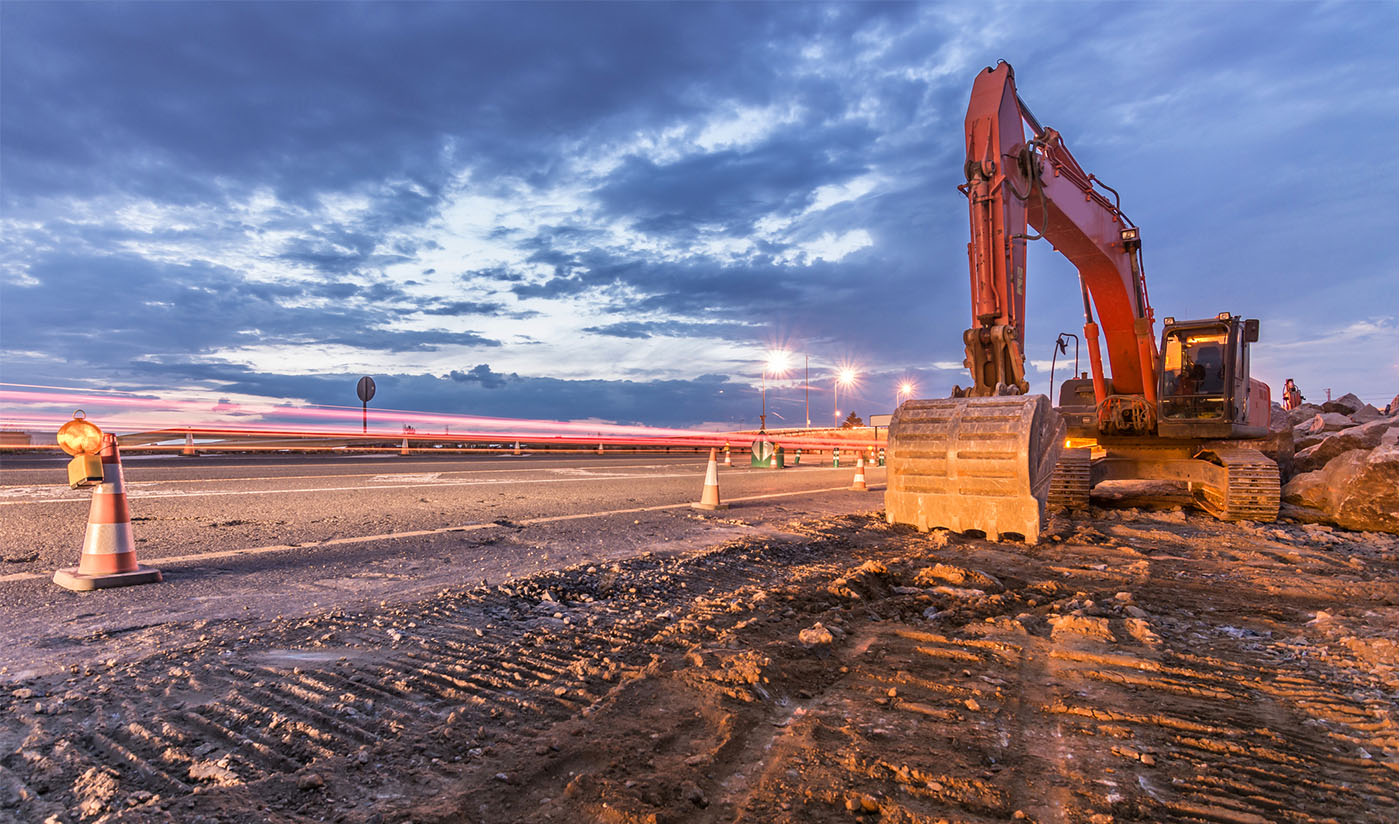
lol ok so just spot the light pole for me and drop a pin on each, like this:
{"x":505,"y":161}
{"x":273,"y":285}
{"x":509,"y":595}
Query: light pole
{"x":807,"y":388}
{"x":777,"y":364}
{"x":845,"y":377}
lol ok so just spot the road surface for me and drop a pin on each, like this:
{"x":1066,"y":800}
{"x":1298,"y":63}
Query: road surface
{"x":283,"y":535}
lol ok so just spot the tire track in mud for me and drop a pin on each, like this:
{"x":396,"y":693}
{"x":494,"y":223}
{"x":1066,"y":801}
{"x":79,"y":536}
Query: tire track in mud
{"x":962,"y":681}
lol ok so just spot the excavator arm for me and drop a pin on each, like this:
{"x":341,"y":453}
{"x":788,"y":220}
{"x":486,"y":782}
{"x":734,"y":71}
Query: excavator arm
{"x":1015,"y":183}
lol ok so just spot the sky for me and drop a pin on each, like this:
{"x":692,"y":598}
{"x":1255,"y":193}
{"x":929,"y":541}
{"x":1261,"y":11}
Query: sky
{"x":613,"y":211}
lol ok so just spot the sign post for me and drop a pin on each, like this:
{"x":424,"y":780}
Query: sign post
{"x":365,"y":389}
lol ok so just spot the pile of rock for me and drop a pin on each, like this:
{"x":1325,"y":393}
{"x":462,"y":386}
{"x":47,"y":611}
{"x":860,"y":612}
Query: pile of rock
{"x":1344,"y":468}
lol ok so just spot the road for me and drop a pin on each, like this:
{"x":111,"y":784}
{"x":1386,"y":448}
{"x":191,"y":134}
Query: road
{"x":284,"y":535}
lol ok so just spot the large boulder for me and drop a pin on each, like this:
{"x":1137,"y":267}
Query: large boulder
{"x":1393,"y":407}
{"x":1366,"y":436}
{"x":1347,"y":404}
{"x":1325,"y":422}
{"x":1367,"y":414}
{"x":1356,"y":490}
{"x":1306,"y":412}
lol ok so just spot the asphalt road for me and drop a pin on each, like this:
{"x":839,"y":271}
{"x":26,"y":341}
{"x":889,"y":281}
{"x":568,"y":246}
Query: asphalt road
{"x":287,"y":535}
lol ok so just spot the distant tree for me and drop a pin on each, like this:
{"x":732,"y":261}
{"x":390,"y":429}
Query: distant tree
{"x":852,"y":421}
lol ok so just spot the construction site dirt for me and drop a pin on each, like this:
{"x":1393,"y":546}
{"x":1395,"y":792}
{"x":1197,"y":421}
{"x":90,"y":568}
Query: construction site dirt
{"x":1142,"y":663}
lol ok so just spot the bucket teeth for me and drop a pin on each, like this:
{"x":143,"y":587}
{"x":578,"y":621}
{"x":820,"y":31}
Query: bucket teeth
{"x":973,"y":463}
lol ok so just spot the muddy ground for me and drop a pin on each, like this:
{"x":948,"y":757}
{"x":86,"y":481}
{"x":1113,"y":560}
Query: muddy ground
{"x":1137,"y":665}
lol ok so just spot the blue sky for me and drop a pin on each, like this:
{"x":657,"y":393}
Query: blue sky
{"x":613,"y":210}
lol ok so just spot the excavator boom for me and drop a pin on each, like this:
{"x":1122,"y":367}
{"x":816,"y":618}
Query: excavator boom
{"x":1015,"y":183}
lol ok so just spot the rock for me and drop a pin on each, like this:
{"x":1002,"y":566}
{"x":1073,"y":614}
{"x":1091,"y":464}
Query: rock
{"x":1305,"y":412}
{"x":1307,"y":442}
{"x":694,"y":794}
{"x":1278,"y":418}
{"x":815,"y":634}
{"x":214,"y":771}
{"x":1065,"y":626}
{"x":1393,"y":407}
{"x":1356,"y":490}
{"x":94,"y":790}
{"x":1347,"y":404}
{"x":310,"y":781}
{"x":1366,"y":414}
{"x":947,"y":573}
{"x":1366,"y":436}
{"x":1324,"y":422}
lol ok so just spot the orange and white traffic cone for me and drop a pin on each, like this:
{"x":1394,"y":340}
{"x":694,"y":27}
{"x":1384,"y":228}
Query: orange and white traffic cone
{"x":517,"y":448}
{"x":727,"y":460}
{"x":109,"y":551}
{"x":188,"y":451}
{"x":858,"y":482}
{"x":709,"y":496}
{"x":403,"y":450}
{"x":600,"y":449}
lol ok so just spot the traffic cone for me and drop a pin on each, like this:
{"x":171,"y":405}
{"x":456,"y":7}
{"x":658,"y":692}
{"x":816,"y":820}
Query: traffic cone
{"x":517,"y":448}
{"x":600,"y":449}
{"x":727,"y":460}
{"x":858,"y":482}
{"x":109,"y":551}
{"x":709,"y":496}
{"x":189,"y":445}
{"x":403,"y":450}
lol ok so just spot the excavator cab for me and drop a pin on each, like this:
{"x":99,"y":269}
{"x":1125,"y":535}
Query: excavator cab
{"x":1204,"y":386}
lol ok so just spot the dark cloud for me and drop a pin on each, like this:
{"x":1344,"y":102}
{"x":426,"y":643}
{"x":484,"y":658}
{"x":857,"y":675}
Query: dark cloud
{"x":669,"y":328}
{"x":733,"y":189}
{"x":137,"y":308}
{"x":482,"y":374}
{"x":464,"y":307}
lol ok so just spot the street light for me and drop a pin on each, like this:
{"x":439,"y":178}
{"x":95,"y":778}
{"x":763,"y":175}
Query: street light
{"x":777,"y":364}
{"x":845,"y":377}
{"x":906,"y":390}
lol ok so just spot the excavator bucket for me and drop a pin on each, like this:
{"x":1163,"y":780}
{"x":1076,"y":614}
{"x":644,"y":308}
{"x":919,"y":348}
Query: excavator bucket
{"x":973,"y":463}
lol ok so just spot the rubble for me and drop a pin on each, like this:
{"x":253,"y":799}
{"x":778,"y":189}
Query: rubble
{"x":1343,"y":471}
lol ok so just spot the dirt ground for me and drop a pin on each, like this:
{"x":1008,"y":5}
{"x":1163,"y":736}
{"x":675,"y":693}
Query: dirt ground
{"x":1139,"y":664}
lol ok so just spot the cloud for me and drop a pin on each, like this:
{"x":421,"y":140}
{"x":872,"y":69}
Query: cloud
{"x":482,"y":374}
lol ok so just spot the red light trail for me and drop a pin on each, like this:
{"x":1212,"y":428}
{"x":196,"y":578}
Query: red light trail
{"x":45,"y":408}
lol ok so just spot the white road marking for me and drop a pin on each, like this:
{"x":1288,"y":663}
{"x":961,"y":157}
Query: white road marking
{"x":406,"y":478}
{"x":420,"y":533}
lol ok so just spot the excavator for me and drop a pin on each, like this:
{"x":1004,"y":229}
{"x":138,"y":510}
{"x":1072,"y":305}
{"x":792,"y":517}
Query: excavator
{"x":1183,"y":408}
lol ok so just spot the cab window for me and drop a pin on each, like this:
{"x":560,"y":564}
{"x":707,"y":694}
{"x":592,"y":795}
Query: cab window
{"x":1193,"y":374}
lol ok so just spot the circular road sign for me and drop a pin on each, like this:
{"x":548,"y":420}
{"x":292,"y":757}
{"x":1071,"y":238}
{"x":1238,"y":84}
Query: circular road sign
{"x":365,"y":388}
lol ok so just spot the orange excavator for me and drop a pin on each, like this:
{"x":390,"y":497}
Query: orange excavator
{"x":993,"y":457}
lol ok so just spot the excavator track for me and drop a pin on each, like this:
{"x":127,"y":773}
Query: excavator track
{"x":1070,"y":484}
{"x":1251,"y":488}
{"x":973,"y":463}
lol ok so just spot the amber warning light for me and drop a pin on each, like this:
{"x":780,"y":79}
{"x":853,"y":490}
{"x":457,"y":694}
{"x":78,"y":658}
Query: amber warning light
{"x":83,"y":440}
